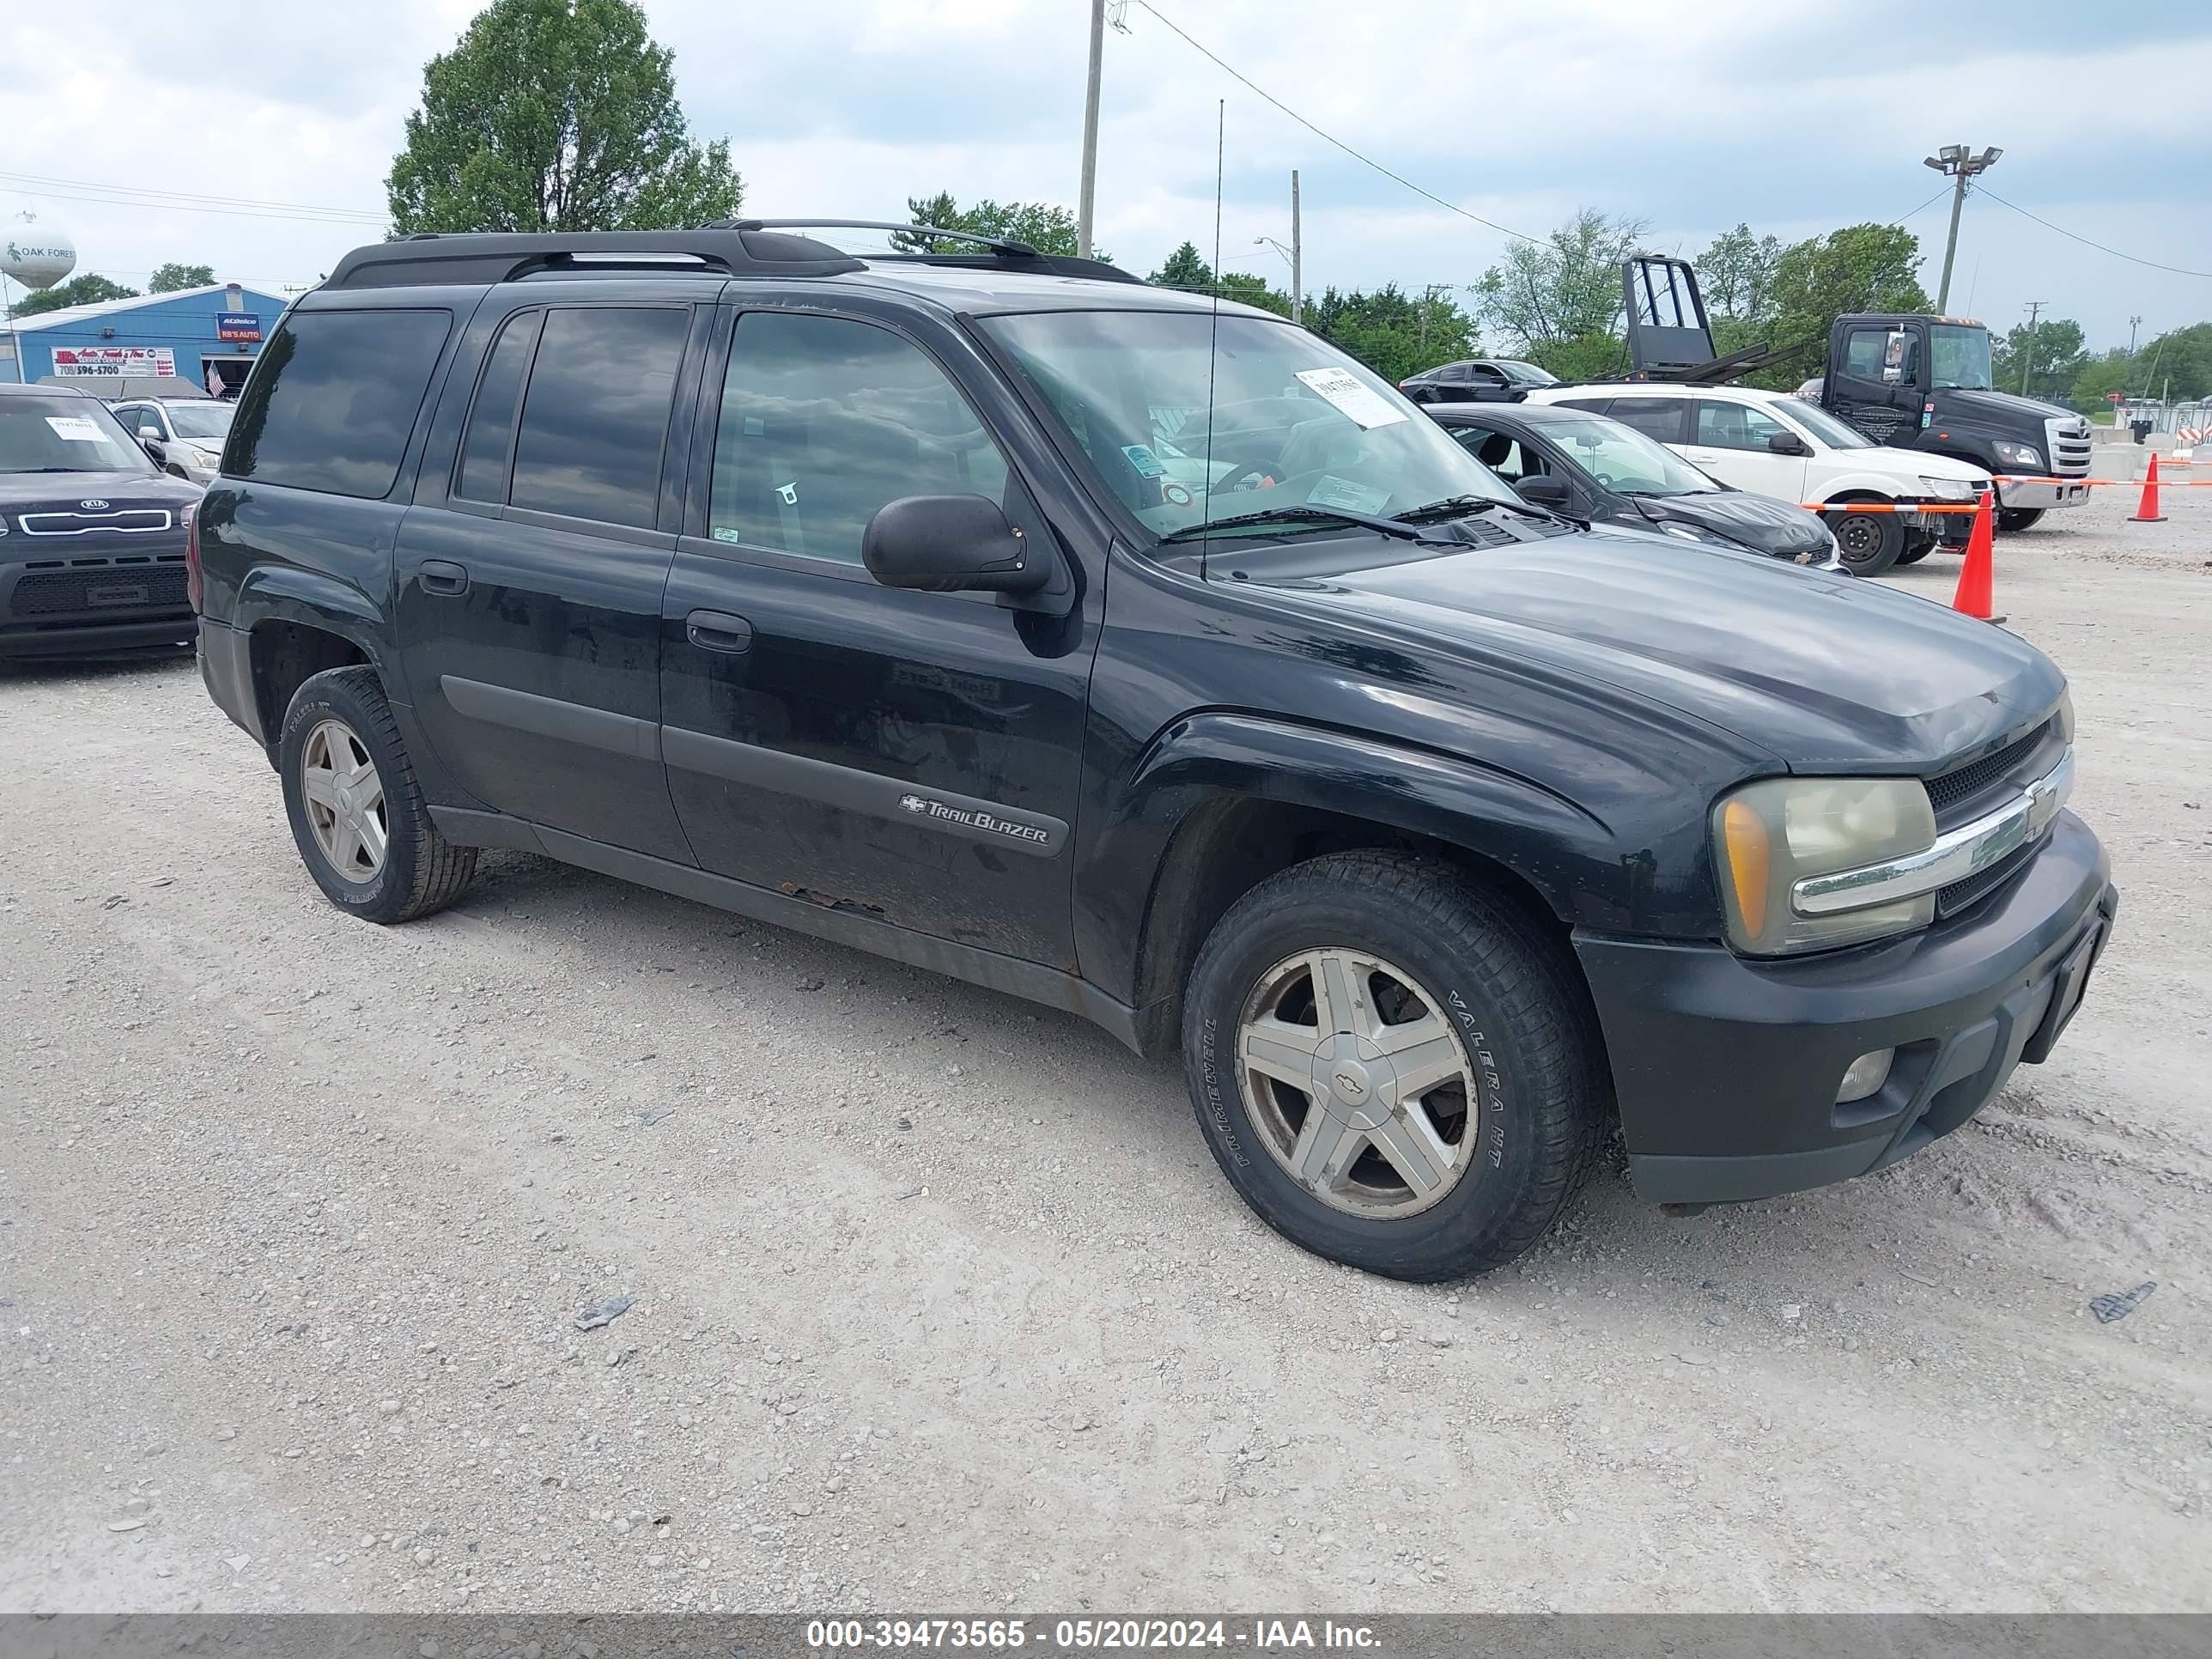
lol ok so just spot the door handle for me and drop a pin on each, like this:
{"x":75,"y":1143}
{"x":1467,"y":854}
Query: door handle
{"x":440,"y":577}
{"x":718,"y":630}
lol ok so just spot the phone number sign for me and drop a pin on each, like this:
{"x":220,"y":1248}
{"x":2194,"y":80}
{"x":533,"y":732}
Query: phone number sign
{"x":114,"y":363}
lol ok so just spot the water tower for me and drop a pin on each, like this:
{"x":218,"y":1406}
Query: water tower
{"x":35,"y":255}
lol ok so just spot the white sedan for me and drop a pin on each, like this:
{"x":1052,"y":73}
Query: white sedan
{"x":1772,"y":444}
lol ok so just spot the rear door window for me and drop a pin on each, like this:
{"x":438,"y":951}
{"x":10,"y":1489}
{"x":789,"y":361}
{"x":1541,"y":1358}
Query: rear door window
{"x":1655,"y":418}
{"x":595,"y":419}
{"x":334,"y":399}
{"x":488,"y":445}
{"x":823,"y":421}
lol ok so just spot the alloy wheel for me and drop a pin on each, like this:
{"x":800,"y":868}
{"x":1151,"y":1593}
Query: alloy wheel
{"x":1358,"y":1083}
{"x":345,"y":801}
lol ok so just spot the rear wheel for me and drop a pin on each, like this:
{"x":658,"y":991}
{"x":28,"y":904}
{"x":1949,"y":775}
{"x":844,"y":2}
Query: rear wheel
{"x":2012,"y":519}
{"x":1394,"y":1067}
{"x":357,"y":814}
{"x":1868,"y":542}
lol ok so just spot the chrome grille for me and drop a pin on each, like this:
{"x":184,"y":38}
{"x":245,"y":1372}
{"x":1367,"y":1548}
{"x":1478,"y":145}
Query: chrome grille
{"x":1964,"y":791}
{"x":128,"y":521}
{"x":2068,"y":441}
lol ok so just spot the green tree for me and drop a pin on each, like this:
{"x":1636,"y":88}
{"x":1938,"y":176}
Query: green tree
{"x":2180,"y":358}
{"x":555,"y":115}
{"x":1858,"y":268}
{"x":1183,"y":268}
{"x":1565,"y":287}
{"x":90,"y":288}
{"x":1394,"y":333}
{"x":2051,"y":355}
{"x":1248,"y":289}
{"x":1045,"y":226}
{"x":169,"y":278}
{"x":2107,"y":372}
{"x":1736,"y":275}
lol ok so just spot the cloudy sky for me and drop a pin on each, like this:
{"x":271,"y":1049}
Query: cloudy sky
{"x":1792,"y":115}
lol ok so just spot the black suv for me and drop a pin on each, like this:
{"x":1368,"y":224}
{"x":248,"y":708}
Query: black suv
{"x":1149,"y":658}
{"x":1476,"y":380}
{"x":92,"y":533}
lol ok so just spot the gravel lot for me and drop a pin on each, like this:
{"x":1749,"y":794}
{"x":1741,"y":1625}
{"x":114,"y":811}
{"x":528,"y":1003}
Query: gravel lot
{"x":939,"y":1302}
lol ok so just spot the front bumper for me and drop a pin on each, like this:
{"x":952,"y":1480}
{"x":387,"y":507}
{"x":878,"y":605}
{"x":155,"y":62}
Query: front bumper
{"x":1727,"y":1069}
{"x":71,"y":603}
{"x":2041,"y":497}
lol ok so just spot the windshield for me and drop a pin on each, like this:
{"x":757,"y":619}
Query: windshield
{"x":1822,"y":425}
{"x":1622,"y":458}
{"x":1959,"y":357}
{"x":1522,"y":373}
{"x":198,"y":420}
{"x":64,"y":434}
{"x":1290,"y":422}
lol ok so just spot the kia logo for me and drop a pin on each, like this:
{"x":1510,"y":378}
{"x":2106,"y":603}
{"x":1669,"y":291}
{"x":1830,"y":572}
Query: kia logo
{"x":95,"y":505}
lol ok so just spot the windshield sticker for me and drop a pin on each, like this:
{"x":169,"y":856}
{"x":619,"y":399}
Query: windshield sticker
{"x":1147,"y":463}
{"x":1347,"y":496}
{"x":1352,"y":397}
{"x":1175,"y":494}
{"x":74,"y":427}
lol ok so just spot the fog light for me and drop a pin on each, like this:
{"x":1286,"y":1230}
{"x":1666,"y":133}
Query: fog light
{"x":1864,"y":1075}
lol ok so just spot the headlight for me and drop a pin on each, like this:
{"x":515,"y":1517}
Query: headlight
{"x":1770,"y":835}
{"x":2027,"y":455}
{"x":2066,"y":715}
{"x":1950,"y":490}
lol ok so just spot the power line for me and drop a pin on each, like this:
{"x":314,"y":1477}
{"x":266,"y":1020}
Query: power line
{"x":184,"y":202}
{"x":1326,"y":137}
{"x":2179,"y":271}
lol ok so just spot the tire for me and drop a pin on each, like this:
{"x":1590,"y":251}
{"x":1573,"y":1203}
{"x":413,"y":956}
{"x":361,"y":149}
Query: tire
{"x":2013,"y":519}
{"x":339,"y":719}
{"x":1490,"y":986}
{"x":1916,"y":551}
{"x":1868,"y":542}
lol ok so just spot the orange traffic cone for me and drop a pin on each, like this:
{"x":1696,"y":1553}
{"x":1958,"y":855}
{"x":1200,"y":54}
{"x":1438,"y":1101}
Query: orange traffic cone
{"x":1976,"y":594}
{"x":2147,"y":510}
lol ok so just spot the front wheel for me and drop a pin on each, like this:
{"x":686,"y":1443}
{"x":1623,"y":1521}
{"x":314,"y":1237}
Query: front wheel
{"x":1917,"y":549}
{"x":1395,"y":1068}
{"x":2013,"y":518}
{"x":1868,"y":542}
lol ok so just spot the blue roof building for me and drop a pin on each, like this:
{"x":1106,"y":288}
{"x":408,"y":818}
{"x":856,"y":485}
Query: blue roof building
{"x":208,"y":336}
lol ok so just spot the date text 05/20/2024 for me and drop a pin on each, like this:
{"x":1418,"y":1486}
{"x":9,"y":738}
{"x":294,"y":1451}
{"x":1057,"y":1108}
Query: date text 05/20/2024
{"x":1089,"y":1635}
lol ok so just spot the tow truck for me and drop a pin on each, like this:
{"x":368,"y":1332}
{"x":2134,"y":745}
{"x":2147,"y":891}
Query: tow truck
{"x":1905,"y":379}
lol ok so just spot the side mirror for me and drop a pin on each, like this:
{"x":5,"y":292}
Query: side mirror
{"x":1545,"y":491}
{"x":148,"y":429}
{"x":152,"y":446}
{"x":1788,"y":443}
{"x":946,"y":543}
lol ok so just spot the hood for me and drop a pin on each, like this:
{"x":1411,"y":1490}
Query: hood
{"x":1908,"y":464}
{"x":1828,"y":673}
{"x":120,"y":488}
{"x":1758,"y":522}
{"x":2004,"y":407}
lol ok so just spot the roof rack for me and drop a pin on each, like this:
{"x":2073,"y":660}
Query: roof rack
{"x":1000,"y":251}
{"x":433,"y":259}
{"x":728,"y":247}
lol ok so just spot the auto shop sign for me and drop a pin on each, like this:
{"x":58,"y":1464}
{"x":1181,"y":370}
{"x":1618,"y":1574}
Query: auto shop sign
{"x":237,"y":325}
{"x":114,"y":363}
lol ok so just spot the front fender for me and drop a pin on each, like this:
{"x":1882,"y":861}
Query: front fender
{"x":1146,"y":857}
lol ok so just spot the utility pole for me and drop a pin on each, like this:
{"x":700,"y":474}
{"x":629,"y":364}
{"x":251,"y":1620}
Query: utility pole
{"x":1961,"y":164}
{"x":1083,"y":200}
{"x":1297,"y":251}
{"x":2028,"y":354}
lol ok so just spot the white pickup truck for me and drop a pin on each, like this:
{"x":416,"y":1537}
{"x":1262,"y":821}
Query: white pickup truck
{"x":1772,"y":444}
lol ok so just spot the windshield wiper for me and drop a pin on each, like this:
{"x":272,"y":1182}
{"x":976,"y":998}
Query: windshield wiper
{"x":1465,"y":507}
{"x":1292,"y":514}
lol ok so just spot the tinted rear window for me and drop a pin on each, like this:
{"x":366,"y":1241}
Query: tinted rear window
{"x":489,"y":440}
{"x":334,"y":398}
{"x":596,"y":414}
